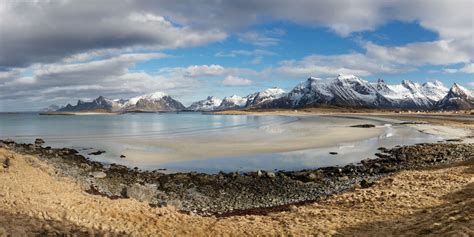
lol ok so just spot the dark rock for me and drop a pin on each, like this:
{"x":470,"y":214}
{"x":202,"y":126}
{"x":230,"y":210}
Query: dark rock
{"x":333,"y":153}
{"x":363,"y":126}
{"x":122,"y":156}
{"x":366,"y":184}
{"x":39,"y":142}
{"x":454,"y":140}
{"x":96,"y":153}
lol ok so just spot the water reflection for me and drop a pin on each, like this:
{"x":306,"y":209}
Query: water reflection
{"x":308,"y":159}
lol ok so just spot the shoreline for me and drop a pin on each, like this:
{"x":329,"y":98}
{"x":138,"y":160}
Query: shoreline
{"x":390,"y":191}
{"x":433,"y":200}
{"x":225,"y":193}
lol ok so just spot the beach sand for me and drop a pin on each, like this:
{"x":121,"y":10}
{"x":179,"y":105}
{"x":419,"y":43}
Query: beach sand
{"x":305,"y":133}
{"x":34,"y":200}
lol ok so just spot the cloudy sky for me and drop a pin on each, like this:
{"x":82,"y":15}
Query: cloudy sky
{"x":58,"y":51}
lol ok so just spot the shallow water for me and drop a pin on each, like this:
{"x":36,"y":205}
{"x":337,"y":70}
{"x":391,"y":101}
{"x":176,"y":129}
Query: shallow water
{"x":212,"y":143}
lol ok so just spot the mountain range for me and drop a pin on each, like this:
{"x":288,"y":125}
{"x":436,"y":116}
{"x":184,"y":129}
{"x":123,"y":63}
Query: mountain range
{"x":343,"y":91}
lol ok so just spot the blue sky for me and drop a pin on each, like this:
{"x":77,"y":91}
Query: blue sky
{"x":61,"y":51}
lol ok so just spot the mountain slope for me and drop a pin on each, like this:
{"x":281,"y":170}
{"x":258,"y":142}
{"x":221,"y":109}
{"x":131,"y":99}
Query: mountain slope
{"x":157,"y":101}
{"x":352,"y":91}
{"x":101,"y":103}
{"x":209,"y":104}
{"x":458,"y":98}
{"x":153,"y":102}
{"x":264,"y":98}
{"x":232,"y":102}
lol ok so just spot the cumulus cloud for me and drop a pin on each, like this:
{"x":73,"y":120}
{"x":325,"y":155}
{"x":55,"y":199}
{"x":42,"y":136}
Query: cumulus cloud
{"x":108,"y":77}
{"x":353,"y":63}
{"x":467,"y":68}
{"x":236,"y":81}
{"x":442,"y":52}
{"x":48,"y":31}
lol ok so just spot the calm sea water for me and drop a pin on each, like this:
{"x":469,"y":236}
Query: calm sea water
{"x":110,"y":133}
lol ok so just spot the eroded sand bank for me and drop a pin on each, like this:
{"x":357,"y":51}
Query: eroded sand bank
{"x":437,"y":201}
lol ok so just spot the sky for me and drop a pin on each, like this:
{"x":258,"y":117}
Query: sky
{"x":59,"y":51}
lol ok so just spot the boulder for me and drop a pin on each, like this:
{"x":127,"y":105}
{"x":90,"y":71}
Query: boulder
{"x":142,"y":193}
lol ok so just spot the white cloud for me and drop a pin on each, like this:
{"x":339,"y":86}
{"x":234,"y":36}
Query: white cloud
{"x":258,"y":39}
{"x":442,"y":52}
{"x":212,"y":70}
{"x":321,"y":65}
{"x":236,"y":81}
{"x":467,"y":68}
{"x":256,"y":52}
{"x":256,"y":60}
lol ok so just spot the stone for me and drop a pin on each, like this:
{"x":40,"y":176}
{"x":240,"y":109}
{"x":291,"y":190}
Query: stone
{"x":39,"y":141}
{"x":333,"y":153}
{"x":142,"y":193}
{"x":96,"y":153}
{"x":271,"y":175}
{"x":363,"y":126}
{"x":259,"y":173}
{"x":122,"y":156}
{"x":98,"y":174}
{"x":344,"y":178}
{"x":366,"y":184}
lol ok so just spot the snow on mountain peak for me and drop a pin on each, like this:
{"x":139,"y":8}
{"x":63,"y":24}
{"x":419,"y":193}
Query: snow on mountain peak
{"x":460,"y":91}
{"x":346,"y":77}
{"x":151,"y":96}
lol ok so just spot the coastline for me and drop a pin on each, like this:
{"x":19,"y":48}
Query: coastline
{"x":426,"y":193}
{"x":38,"y":200}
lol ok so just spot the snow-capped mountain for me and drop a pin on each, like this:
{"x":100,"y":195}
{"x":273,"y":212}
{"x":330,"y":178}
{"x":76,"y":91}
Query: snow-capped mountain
{"x":157,"y":101}
{"x":340,"y":91}
{"x":99,"y":104}
{"x":410,"y":95}
{"x":457,"y":98}
{"x":350,"y":90}
{"x":232,"y":102}
{"x":264,"y":98}
{"x":209,"y":104}
{"x":343,"y":90}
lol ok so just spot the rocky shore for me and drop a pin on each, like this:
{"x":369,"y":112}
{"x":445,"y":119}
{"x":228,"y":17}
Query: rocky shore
{"x":238,"y":193}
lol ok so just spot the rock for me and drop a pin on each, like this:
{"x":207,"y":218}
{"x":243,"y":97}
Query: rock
{"x":312,"y":176}
{"x":333,"y":153}
{"x":98,"y":175}
{"x":271,"y":175}
{"x":454,"y":140}
{"x":366,"y":184}
{"x":142,"y":193}
{"x":8,"y":141}
{"x":122,"y":156}
{"x":96,"y":153}
{"x":39,"y":141}
{"x":259,"y":173}
{"x":344,"y":178}
{"x":363,"y":126}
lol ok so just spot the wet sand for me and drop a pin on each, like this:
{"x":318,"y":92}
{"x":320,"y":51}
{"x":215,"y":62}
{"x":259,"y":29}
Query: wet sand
{"x":305,"y":133}
{"x":34,"y":200}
